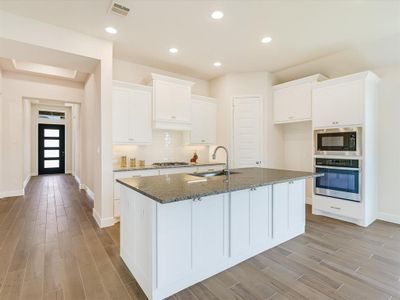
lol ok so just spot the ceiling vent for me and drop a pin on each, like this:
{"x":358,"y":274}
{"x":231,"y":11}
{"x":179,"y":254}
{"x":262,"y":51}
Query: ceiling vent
{"x":119,"y":9}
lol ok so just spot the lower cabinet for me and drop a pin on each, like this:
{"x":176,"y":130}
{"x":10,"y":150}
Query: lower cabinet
{"x":250,"y":221}
{"x":190,"y":239}
{"x":169,"y":247}
{"x":288,"y":208}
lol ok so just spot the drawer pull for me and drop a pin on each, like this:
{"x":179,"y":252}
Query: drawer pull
{"x":335,"y":207}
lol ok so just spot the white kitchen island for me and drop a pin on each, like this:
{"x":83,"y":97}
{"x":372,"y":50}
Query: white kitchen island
{"x":177,"y":230}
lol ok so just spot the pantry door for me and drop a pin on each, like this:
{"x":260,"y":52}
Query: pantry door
{"x":51,"y":144}
{"x":247,"y":131}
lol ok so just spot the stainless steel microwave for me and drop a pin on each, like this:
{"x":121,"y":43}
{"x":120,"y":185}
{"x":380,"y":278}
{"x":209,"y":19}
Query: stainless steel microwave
{"x":338,"y":141}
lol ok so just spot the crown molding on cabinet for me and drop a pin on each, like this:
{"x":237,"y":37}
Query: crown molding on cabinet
{"x":367,"y":75}
{"x":155,"y":76}
{"x":309,"y":79}
{"x":130,"y":85}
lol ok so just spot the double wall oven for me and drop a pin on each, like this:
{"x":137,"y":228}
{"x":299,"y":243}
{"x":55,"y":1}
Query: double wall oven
{"x":338,"y":157}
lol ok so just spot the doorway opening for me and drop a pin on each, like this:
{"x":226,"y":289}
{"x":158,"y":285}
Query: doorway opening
{"x":51,"y":149}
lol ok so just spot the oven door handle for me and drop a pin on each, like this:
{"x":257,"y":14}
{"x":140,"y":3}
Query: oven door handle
{"x":340,"y":168}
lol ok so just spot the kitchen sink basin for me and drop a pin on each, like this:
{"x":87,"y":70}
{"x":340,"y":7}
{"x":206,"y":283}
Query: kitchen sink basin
{"x":212,"y":173}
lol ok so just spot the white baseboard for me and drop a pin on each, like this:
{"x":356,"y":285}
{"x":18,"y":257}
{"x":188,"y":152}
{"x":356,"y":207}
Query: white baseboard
{"x":34,"y":174}
{"x":26,"y":181}
{"x":105,"y":222}
{"x":87,"y":190}
{"x":78,"y":180}
{"x":15,"y":193}
{"x":389,"y":217}
{"x":309,"y":200}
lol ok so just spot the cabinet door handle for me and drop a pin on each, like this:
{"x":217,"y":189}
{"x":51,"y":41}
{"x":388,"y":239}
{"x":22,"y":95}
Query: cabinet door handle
{"x":203,"y":141}
{"x":335,"y":207}
{"x":173,"y":117}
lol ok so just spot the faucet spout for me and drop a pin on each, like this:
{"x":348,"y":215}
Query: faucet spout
{"x":227,"y":170}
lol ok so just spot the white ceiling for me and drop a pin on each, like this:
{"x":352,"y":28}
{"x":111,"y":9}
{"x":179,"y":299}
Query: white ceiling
{"x":301,"y":30}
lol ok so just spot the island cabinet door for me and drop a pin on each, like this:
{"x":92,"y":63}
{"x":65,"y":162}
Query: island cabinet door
{"x":239,"y":225}
{"x":288,"y":210}
{"x":297,"y":212}
{"x":280,"y":207}
{"x":209,"y":245}
{"x":261,"y":217}
{"x":250,"y":222}
{"x":174,"y":243}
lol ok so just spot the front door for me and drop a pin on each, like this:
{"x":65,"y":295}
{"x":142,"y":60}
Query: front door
{"x":51,"y":149}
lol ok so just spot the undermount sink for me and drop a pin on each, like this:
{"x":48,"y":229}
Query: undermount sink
{"x":213,"y":173}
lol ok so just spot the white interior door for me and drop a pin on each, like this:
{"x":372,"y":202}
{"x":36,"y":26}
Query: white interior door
{"x":247,"y":132}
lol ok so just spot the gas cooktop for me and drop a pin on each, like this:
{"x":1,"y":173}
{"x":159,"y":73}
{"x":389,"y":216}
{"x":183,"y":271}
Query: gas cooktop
{"x":172,"y":163}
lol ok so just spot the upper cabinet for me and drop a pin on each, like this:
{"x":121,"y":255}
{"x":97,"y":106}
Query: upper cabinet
{"x":204,"y":121}
{"x":340,"y":102}
{"x":171,"y":103}
{"x":131,"y":113}
{"x":292,"y":100}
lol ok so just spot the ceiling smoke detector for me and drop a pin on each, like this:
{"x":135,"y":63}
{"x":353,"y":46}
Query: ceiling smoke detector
{"x":119,"y":9}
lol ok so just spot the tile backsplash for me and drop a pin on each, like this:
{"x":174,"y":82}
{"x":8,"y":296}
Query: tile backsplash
{"x":166,"y":146}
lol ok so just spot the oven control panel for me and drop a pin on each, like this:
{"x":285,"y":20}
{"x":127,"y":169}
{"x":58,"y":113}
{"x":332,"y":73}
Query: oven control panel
{"x":332,"y":162}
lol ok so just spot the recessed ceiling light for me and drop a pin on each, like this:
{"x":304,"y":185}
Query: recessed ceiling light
{"x":266,"y":40}
{"x":217,"y":64}
{"x":111,"y":30}
{"x":217,"y":15}
{"x":173,"y":50}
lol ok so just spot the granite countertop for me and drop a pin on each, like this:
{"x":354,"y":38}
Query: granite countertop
{"x":118,"y":168}
{"x":177,"y":187}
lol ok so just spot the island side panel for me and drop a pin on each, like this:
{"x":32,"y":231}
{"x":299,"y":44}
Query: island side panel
{"x":138,"y":233}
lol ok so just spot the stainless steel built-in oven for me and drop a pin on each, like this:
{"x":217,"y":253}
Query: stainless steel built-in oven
{"x":338,"y":141}
{"x":342,"y":178}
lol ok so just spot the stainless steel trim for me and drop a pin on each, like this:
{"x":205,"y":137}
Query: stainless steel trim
{"x":338,"y":194}
{"x":358,"y":131}
{"x":340,"y":168}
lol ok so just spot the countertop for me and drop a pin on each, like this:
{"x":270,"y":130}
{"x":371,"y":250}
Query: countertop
{"x":177,"y":187}
{"x":152,"y":167}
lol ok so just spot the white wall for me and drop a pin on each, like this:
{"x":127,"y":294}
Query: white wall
{"x":241,"y":84}
{"x":141,"y":74}
{"x":389,"y":143}
{"x":88,"y":138}
{"x":297,"y":150}
{"x":16,"y":88}
{"x":1,"y":132}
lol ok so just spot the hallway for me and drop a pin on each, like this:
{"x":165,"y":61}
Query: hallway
{"x":51,"y":248}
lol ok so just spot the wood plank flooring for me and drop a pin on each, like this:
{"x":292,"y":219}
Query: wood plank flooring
{"x":51,"y":248}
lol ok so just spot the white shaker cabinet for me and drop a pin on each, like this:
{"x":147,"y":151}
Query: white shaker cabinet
{"x":171,"y":246}
{"x":209,"y":243}
{"x":190,"y":239}
{"x":338,"y":102}
{"x":289,"y":204}
{"x":117,"y":186}
{"x":204,"y":122}
{"x":171,"y":103}
{"x":292,"y":100}
{"x":250,"y":219}
{"x":131,"y":113}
